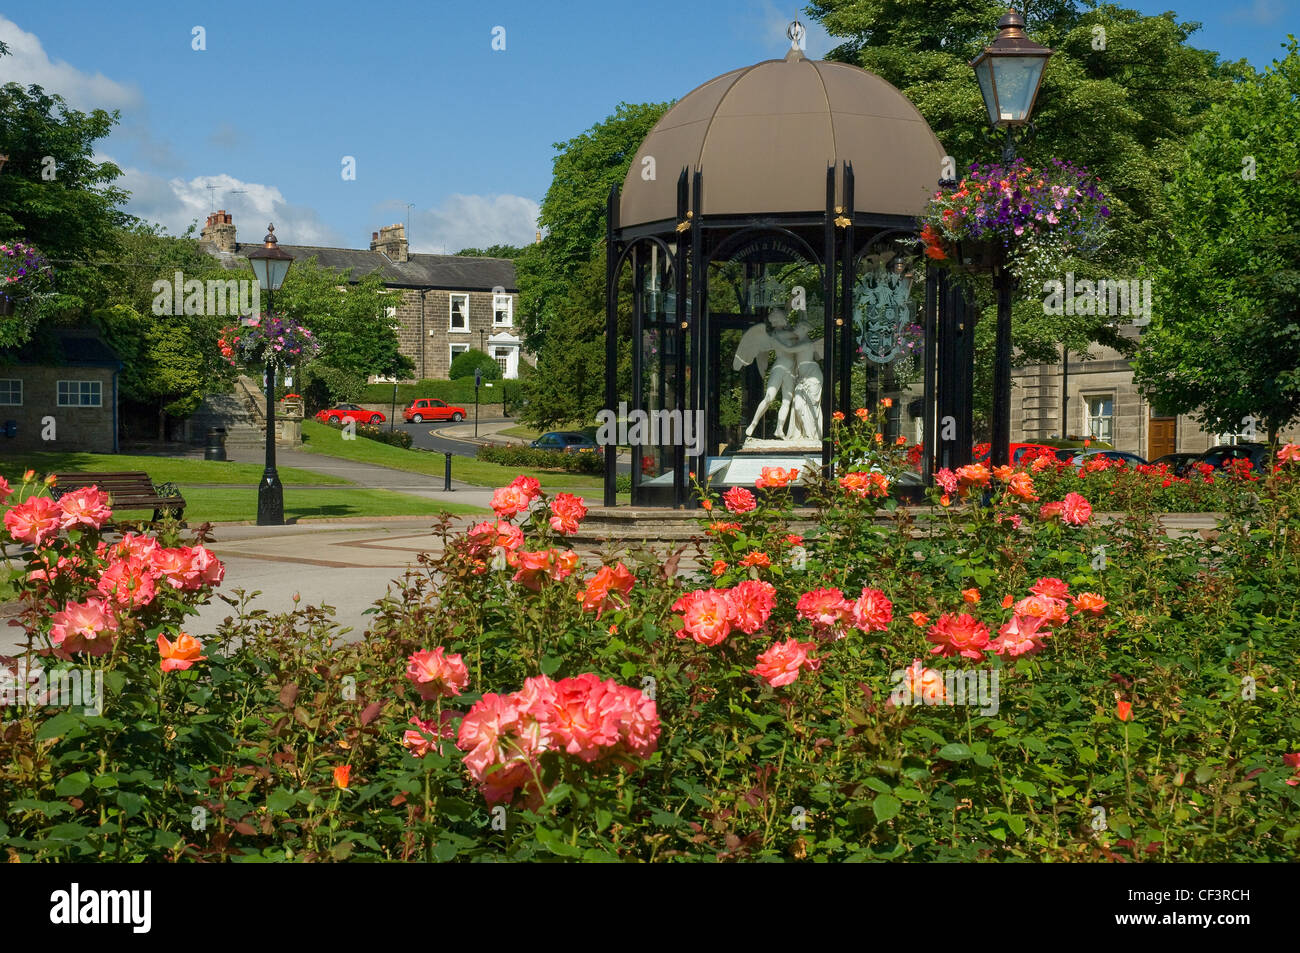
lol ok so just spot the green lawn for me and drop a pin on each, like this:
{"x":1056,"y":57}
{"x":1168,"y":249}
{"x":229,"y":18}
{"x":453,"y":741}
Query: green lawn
{"x":204,"y":504}
{"x":183,"y":472}
{"x":520,"y":431}
{"x":329,"y":442}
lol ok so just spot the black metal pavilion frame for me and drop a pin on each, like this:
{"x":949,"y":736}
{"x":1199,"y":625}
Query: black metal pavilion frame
{"x":845,"y":234}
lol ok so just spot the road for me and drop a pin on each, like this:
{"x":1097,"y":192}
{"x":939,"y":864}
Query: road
{"x":428,"y":436}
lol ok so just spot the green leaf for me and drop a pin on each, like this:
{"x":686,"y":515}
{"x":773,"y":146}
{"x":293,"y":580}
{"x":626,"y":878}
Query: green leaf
{"x":885,"y":806}
{"x":279,"y":801}
{"x":58,"y":726}
{"x":956,"y":751}
{"x":72,"y":785}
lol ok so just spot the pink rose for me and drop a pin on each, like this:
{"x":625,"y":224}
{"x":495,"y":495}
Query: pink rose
{"x":35,"y":521}
{"x":706,"y":616}
{"x":1076,"y":510}
{"x":436,"y":674}
{"x":780,"y":664}
{"x":86,"y":507}
{"x":739,"y":500}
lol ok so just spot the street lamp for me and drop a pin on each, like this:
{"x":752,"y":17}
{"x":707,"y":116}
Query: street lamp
{"x":1009,"y":73}
{"x":270,"y":264}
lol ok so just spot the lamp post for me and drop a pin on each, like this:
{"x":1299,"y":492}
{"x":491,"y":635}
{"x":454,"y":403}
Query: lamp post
{"x":270,"y":264}
{"x":1009,"y":73}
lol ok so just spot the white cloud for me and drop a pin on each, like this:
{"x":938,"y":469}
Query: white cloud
{"x":1266,"y":12}
{"x":28,"y":64}
{"x":177,"y":203}
{"x":474,"y":221}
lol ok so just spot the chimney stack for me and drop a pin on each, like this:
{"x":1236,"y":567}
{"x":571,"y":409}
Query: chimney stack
{"x":220,"y":231}
{"x":391,"y":241}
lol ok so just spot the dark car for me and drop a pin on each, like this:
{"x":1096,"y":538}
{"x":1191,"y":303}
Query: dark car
{"x":566,"y":441}
{"x":1178,"y":463}
{"x":1256,"y":453}
{"x":1132,"y":459}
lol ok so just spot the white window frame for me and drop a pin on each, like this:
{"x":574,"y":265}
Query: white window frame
{"x":456,"y":349}
{"x":509,"y":309}
{"x":451,"y":311}
{"x":4,"y":402}
{"x":96,"y":388}
{"x":1088,"y":417}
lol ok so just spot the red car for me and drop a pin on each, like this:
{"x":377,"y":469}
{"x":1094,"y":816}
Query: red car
{"x":430,"y":408}
{"x":342,"y":412}
{"x":1020,"y":452}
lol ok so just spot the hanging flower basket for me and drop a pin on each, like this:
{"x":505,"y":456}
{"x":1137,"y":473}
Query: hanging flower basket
{"x":1032,"y":219}
{"x":269,"y":338}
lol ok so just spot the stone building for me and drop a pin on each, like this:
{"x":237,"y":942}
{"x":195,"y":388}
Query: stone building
{"x":61,"y":393}
{"x":444,"y":304}
{"x":1103,"y":403}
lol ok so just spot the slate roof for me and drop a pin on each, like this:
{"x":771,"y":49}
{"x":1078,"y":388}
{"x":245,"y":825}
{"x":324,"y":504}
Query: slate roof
{"x":68,"y":347}
{"x":444,"y":272}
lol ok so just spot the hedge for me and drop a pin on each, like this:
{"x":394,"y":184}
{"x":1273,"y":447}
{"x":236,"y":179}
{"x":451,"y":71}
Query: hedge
{"x":459,"y":392}
{"x":528,"y":458}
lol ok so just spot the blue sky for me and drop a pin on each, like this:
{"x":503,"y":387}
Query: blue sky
{"x":432,"y":114}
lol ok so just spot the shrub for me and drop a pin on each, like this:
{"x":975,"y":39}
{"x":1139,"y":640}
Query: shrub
{"x":394,"y":437}
{"x":527,"y":458}
{"x":324,"y":386}
{"x":459,"y":392}
{"x":999,"y":677}
{"x":467,"y":362}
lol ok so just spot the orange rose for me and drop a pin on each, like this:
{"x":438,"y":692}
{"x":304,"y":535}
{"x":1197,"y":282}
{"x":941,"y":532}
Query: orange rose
{"x":342,"y":775}
{"x":970,"y":595}
{"x":919,"y":619}
{"x":181,"y":654}
{"x":1124,"y":710}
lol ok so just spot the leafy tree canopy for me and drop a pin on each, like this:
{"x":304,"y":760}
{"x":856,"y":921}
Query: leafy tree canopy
{"x":1224,"y":341}
{"x":350,"y":320}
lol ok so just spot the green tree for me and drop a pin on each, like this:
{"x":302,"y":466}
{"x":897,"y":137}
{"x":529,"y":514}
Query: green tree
{"x":1224,"y":340}
{"x":1121,"y":95}
{"x":53,"y":194}
{"x":562,"y":279}
{"x":353,"y":326}
{"x":494,"y":251}
{"x":468,"y":361}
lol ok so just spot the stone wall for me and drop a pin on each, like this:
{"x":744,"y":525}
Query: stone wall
{"x":75,"y":428}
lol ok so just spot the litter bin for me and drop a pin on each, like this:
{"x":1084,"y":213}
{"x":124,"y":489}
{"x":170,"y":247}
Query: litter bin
{"x":216,"y":449}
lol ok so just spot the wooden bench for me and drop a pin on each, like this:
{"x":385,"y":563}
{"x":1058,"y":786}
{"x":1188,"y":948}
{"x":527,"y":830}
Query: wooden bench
{"x":127,"y":491}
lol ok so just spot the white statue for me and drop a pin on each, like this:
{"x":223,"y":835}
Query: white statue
{"x":807,"y":410}
{"x":795,"y":377}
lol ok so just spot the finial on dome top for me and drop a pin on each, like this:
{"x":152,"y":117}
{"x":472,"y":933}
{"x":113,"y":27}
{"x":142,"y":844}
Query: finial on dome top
{"x":796,"y":33}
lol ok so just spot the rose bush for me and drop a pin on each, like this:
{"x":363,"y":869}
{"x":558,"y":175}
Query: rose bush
{"x":1012,"y":672}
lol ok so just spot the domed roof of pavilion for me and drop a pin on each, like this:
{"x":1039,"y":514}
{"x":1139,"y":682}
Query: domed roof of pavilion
{"x":764,"y":135}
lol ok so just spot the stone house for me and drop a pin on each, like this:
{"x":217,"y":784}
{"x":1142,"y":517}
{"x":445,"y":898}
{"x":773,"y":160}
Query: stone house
{"x":61,"y":393}
{"x":444,"y":304}
{"x":1102,"y":402}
